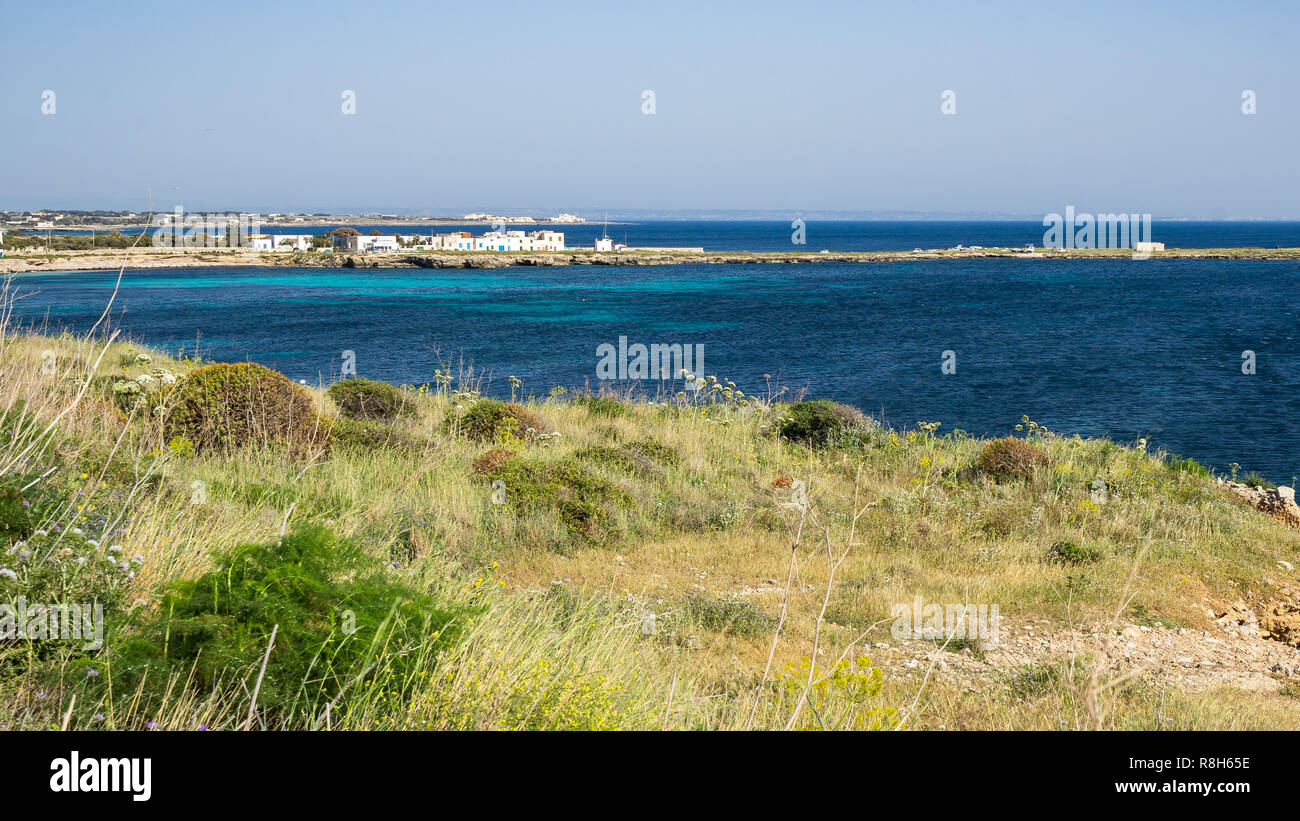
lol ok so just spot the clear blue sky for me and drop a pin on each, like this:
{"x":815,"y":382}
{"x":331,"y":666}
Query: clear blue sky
{"x":819,"y":106}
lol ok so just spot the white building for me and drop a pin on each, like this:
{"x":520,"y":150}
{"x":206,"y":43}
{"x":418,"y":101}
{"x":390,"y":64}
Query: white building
{"x":547,"y":240}
{"x":362,"y":244}
{"x":515,"y":241}
{"x":282,"y":242}
{"x":604,"y":244}
{"x":507,"y":241}
{"x":459,"y":241}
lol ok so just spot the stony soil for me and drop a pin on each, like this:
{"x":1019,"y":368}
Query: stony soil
{"x":1245,"y":650}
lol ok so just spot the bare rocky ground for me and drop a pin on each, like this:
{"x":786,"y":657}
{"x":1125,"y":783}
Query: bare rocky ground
{"x":1246,"y":650}
{"x":1278,"y":502}
{"x":1251,"y":649}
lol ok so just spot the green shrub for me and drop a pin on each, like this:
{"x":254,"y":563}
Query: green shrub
{"x":1010,"y":458}
{"x":1177,"y":464}
{"x":821,"y":421}
{"x":655,"y":451}
{"x":487,"y":417}
{"x":1256,"y":481}
{"x":616,"y":458}
{"x":847,"y":696}
{"x":220,"y":407}
{"x":335,"y":610}
{"x":130,"y":358}
{"x":181,"y":447}
{"x":363,"y":435}
{"x":127,"y":393}
{"x":606,"y":406}
{"x":587,"y":505}
{"x":643,"y":456}
{"x":367,"y":399}
{"x":15,"y":513}
{"x":1073,"y":553}
{"x":1033,"y":680}
{"x":68,"y":569}
{"x":735,"y":617}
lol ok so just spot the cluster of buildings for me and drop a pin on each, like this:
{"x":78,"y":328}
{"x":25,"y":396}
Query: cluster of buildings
{"x":512,"y":241}
{"x":282,"y":242}
{"x":558,"y":218}
{"x":350,"y":241}
{"x":357,"y":243}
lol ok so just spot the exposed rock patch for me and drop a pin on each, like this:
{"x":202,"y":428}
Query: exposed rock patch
{"x":1280,"y":621}
{"x":1277,"y":502}
{"x":1186,"y":658}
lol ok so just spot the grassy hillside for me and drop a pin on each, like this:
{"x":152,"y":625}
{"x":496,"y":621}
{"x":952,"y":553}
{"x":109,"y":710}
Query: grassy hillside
{"x":444,"y":561}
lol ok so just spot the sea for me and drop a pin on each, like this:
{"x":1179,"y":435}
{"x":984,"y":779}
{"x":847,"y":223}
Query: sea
{"x":1199,"y":357}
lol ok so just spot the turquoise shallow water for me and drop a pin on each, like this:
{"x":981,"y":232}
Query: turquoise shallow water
{"x":1118,"y":348}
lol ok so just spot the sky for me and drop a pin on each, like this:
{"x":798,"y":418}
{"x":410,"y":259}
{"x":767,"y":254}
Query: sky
{"x":540,"y":107}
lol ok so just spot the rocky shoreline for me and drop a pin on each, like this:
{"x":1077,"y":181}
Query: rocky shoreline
{"x":111,"y":259}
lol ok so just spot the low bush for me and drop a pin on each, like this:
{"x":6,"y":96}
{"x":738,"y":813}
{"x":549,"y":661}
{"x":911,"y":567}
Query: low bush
{"x":222,"y":407}
{"x":605,"y":406}
{"x":1178,"y":464}
{"x":821,"y":421}
{"x":71,"y":567}
{"x":491,"y":460}
{"x":845,"y":697}
{"x":15,"y":513}
{"x":333,"y":608}
{"x":363,"y":434}
{"x":1072,"y":553}
{"x":645,"y":457}
{"x":735,"y":617}
{"x":588,"y":505}
{"x":62,"y":570}
{"x":367,"y":399}
{"x":655,"y":451}
{"x":489,"y":419}
{"x":1010,"y":458}
{"x":1257,"y":481}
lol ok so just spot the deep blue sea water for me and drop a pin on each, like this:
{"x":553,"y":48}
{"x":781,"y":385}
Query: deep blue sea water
{"x":878,"y":235}
{"x":1120,"y":348}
